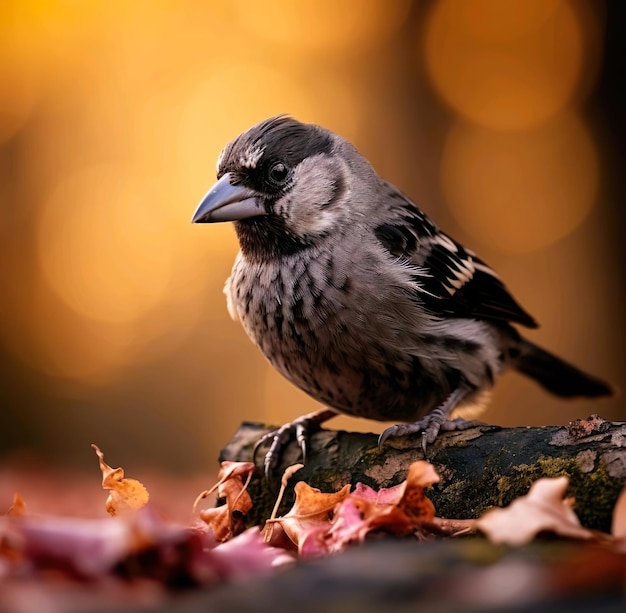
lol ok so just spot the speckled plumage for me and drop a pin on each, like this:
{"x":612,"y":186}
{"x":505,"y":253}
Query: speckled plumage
{"x":354,"y":295}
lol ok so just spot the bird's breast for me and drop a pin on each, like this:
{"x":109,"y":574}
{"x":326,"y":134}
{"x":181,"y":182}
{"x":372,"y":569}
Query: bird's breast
{"x":332,"y":337}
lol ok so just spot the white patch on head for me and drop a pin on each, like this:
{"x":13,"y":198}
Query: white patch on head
{"x":250,"y":157}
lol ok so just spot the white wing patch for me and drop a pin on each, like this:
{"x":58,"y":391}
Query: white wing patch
{"x":486,"y":269}
{"x":444,"y":241}
{"x":462,"y":272}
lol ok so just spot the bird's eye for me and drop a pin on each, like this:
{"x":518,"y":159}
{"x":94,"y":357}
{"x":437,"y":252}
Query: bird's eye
{"x":279,"y":172}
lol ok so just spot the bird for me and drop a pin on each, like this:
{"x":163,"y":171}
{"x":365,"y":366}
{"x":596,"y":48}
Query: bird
{"x":355,"y":295}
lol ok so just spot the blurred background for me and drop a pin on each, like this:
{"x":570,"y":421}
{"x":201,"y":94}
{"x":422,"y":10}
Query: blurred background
{"x":503,"y":120}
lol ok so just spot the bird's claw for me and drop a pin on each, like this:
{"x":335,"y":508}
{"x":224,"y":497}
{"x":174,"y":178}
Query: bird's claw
{"x":424,"y":443}
{"x":429,"y":429}
{"x":298,"y":429}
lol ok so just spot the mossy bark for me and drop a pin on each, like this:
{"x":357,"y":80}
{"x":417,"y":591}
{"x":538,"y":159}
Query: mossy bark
{"x":479,"y":468}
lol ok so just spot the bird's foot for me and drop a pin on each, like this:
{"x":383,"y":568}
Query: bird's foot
{"x":429,"y":426}
{"x":436,"y":421}
{"x":299,"y":429}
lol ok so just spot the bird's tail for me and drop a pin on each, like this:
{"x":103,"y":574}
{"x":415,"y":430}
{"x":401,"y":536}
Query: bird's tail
{"x":556,"y":375}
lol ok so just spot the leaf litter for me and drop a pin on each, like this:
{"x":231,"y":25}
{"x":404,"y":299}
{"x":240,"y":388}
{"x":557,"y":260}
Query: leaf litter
{"x":215,"y":546}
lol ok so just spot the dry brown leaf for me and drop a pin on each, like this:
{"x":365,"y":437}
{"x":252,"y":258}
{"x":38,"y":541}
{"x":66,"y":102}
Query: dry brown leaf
{"x":311,"y":510}
{"x":227,"y":521}
{"x":402,"y":509}
{"x":126,"y":494}
{"x":221,"y":522}
{"x":230,"y":470}
{"x":355,"y":518}
{"x":414,"y":502}
{"x":543,"y":509}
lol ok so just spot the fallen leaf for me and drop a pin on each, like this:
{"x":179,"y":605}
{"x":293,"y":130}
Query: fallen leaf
{"x":311,"y":510}
{"x":313,"y":543}
{"x":414,"y":502}
{"x":543,"y":509}
{"x":126,"y":494}
{"x":355,"y":518}
{"x":349,"y":525}
{"x":227,"y":520}
{"x":230,"y":470}
{"x":248,"y":555}
{"x":385,"y":495}
{"x":133,"y":546}
{"x":402,"y":509}
{"x":83,"y":547}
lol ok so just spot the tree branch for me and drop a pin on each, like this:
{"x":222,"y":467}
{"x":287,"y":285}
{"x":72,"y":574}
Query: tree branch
{"x":479,"y":468}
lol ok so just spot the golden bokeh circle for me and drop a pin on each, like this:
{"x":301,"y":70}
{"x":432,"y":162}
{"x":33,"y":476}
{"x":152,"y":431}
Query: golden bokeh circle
{"x":322,"y":24}
{"x":103,"y":247}
{"x":520,"y":191}
{"x":506,"y":65}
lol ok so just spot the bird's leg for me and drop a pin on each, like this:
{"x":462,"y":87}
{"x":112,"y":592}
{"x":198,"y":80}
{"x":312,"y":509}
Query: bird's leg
{"x":434,"y":422}
{"x":298,"y":429}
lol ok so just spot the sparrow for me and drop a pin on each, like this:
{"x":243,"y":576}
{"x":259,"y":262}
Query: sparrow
{"x":355,"y":296}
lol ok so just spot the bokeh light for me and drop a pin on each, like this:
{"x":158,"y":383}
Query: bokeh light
{"x":509,"y":65}
{"x":53,"y":340}
{"x":323,"y":25}
{"x":104,"y":247}
{"x":520,"y":191}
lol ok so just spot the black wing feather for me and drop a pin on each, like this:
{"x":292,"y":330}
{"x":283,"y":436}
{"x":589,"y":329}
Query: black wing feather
{"x":452,"y":281}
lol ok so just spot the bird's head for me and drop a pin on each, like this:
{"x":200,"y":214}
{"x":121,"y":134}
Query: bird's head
{"x":285,"y":184}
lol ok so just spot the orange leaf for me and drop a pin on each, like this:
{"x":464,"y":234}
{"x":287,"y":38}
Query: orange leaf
{"x":355,"y":518}
{"x":414,"y":502}
{"x":126,"y":494}
{"x":227,"y":520}
{"x":402,"y":509}
{"x":311,"y":510}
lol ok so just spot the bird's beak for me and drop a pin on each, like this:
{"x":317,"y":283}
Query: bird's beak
{"x":226,"y":202}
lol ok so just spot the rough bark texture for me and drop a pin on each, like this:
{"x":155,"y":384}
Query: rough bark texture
{"x":479,"y":468}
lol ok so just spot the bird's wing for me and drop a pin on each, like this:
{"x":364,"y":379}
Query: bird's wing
{"x":451,"y":280}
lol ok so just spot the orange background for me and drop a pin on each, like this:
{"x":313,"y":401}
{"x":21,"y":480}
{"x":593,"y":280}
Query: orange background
{"x":113,"y":326}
